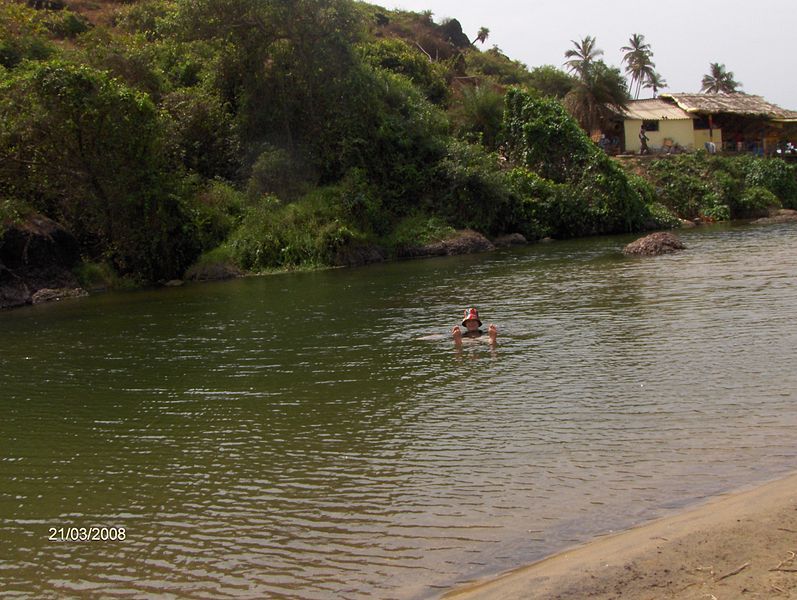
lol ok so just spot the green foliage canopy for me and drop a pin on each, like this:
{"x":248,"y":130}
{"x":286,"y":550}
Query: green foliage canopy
{"x":89,"y":150}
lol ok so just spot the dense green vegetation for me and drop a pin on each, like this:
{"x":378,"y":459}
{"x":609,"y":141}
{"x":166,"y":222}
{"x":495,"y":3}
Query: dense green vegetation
{"x":278,"y":134}
{"x":701,"y":185}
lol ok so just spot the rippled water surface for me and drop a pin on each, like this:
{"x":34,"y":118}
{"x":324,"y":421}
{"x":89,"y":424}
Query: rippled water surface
{"x":291,"y":437}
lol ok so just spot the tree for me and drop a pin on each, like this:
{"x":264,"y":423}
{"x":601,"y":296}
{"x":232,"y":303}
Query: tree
{"x":586,"y":192}
{"x":599,"y":88}
{"x":719,"y":80}
{"x":550,"y":81}
{"x":582,"y":56}
{"x":482,"y":36}
{"x":495,"y":64}
{"x":597,"y":94}
{"x":89,"y":151}
{"x":399,"y":57}
{"x":638,"y":63}
{"x":655,"y":82}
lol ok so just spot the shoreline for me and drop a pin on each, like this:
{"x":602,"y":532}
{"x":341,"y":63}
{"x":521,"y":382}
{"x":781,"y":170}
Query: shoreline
{"x":465,"y":242}
{"x":739,"y":544}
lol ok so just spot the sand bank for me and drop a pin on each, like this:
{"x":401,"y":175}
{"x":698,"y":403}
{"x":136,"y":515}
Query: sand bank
{"x":738,"y":545}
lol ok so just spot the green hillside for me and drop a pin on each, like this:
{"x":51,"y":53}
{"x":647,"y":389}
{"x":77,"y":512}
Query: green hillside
{"x":271,"y":134}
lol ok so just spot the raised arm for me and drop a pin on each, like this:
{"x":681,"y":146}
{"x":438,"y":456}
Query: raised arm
{"x":492,"y":331}
{"x":456,"y":333}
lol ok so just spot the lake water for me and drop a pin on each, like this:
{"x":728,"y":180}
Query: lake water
{"x":290,"y":437}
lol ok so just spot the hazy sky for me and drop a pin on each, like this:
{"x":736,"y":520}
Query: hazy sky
{"x":756,"y":39}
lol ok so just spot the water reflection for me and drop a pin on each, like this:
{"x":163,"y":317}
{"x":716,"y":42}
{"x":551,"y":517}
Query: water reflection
{"x":290,"y":436}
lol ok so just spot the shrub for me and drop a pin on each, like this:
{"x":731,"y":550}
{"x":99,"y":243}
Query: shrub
{"x":393,"y":134}
{"x":156,"y":19}
{"x":497,"y":66}
{"x":550,"y":81}
{"x":548,"y":208}
{"x":477,"y":115}
{"x":728,"y":189}
{"x":361,"y":204}
{"x":398,"y":57}
{"x":93,"y":158}
{"x":100,"y":275}
{"x":12,"y":211}
{"x":656,"y":214}
{"x":419,"y":229}
{"x":472,"y":191}
{"x":775,"y":175}
{"x":716,"y":212}
{"x":661,"y":217}
{"x":719,"y":187}
{"x":66,"y":24}
{"x":682,"y":183}
{"x":14,"y":51}
{"x":309,"y":232}
{"x":544,"y":139}
{"x":277,"y":173}
{"x":217,"y":210}
{"x":126,"y":57}
{"x":757,"y":200}
{"x":22,"y":35}
{"x":202,"y":133}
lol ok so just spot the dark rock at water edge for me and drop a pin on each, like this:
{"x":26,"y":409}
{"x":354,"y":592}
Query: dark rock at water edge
{"x":354,"y":255}
{"x":511,"y":239}
{"x":655,"y":244}
{"x":783,"y":215}
{"x":218,"y":271}
{"x":35,"y":254}
{"x":466,"y":241}
{"x":13,"y":290}
{"x":38,"y":243}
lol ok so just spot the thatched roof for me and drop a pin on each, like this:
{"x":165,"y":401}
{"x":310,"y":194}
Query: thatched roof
{"x":735,"y":104}
{"x":655,"y":109}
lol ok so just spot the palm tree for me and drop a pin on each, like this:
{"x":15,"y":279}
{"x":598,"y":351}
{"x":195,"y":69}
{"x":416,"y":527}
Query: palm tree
{"x":655,"y":82}
{"x":598,"y":89}
{"x":482,"y":36}
{"x":638,"y":63}
{"x":582,"y":56}
{"x":597,"y":96}
{"x":719,"y":80}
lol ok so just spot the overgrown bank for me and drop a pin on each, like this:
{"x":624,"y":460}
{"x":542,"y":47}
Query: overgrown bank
{"x":196,"y":137}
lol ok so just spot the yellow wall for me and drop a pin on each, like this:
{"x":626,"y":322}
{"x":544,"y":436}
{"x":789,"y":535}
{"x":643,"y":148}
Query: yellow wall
{"x":680,"y":132}
{"x":701,"y":137}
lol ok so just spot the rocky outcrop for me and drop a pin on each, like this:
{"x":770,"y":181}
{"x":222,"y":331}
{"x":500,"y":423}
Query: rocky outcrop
{"x":214,"y":271}
{"x":357,"y":254}
{"x":36,"y":254}
{"x":655,"y":244}
{"x":466,"y":241}
{"x":50,"y":295}
{"x":783,"y":215}
{"x":510,"y":239}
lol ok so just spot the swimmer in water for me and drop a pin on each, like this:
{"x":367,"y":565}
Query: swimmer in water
{"x":472,"y":324}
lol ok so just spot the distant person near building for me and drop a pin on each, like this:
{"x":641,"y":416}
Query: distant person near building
{"x":643,"y":140}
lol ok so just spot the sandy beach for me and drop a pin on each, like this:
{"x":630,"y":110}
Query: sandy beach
{"x":738,"y":545}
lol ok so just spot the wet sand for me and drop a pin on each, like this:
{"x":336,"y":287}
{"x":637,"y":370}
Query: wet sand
{"x":739,"y":545}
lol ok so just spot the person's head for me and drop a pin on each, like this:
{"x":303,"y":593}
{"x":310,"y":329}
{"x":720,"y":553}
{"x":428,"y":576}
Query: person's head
{"x":471,"y":320}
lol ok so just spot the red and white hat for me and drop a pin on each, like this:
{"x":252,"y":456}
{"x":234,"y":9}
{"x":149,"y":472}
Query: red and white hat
{"x":471,"y":314}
